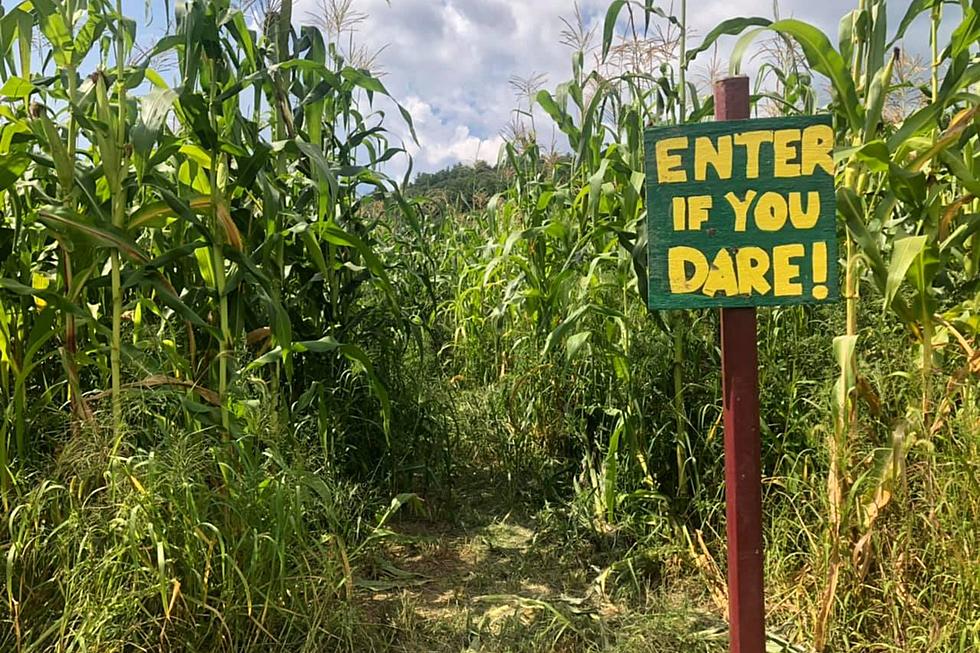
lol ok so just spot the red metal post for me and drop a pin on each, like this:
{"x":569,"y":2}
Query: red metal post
{"x":743,"y":469}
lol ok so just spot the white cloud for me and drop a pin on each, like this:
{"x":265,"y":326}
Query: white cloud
{"x":464,"y":147}
{"x":449,"y":61}
{"x":442,"y":143}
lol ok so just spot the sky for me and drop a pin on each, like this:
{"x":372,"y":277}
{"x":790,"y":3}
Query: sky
{"x":450,"y":62}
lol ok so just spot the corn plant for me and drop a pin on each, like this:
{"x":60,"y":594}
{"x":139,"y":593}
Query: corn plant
{"x":888,"y":206}
{"x":568,"y":237}
{"x":216,"y":310}
{"x":171,"y":251}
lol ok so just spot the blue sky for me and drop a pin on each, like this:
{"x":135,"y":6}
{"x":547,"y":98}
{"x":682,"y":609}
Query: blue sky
{"x":449,"y":62}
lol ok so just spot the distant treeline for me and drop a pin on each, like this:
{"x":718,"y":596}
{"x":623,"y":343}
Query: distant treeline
{"x":469,"y":187}
{"x":462,"y":185}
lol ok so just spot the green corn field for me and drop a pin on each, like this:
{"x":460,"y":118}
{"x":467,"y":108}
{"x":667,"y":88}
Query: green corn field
{"x":261,"y":393}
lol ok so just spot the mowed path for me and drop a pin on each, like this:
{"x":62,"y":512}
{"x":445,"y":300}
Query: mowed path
{"x":492,"y":585}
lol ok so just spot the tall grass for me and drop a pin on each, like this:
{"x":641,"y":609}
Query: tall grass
{"x":229,"y":333}
{"x":630,"y":400}
{"x":226,"y":337}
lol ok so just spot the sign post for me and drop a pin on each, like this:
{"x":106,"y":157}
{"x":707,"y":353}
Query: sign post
{"x":740,"y":214}
{"x":743,"y":467}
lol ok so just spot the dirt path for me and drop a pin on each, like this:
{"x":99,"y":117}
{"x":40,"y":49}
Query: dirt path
{"x":493,"y":586}
{"x":445,"y":588}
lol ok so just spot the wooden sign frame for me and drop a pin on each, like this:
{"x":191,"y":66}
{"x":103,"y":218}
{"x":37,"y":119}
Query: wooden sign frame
{"x":741,"y":213}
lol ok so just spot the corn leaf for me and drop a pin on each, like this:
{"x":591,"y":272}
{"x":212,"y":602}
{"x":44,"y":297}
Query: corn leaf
{"x":903,"y":255}
{"x":824,"y":59}
{"x":729,"y":27}
{"x":12,"y":167}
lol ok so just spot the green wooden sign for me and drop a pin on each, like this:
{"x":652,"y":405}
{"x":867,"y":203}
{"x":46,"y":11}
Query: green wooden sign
{"x":741,"y":213}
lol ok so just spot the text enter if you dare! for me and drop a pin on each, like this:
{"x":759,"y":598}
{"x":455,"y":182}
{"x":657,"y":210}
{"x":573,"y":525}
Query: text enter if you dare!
{"x":741,"y":213}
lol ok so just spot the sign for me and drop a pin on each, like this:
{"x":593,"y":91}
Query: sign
{"x":741,"y":213}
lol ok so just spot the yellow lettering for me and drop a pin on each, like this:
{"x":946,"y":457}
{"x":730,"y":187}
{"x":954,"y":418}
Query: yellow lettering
{"x":817,"y":150}
{"x":804,"y":218}
{"x":691,"y":212}
{"x":784,"y":150}
{"x":698,"y":207}
{"x":678,"y":259}
{"x":752,"y":142}
{"x":721,"y":276}
{"x":741,"y":208}
{"x":719,"y":157}
{"x":770,"y":212}
{"x":680,"y":213}
{"x":753,"y":263}
{"x":784,"y":272}
{"x":669,"y":168}
{"x":820,"y":290}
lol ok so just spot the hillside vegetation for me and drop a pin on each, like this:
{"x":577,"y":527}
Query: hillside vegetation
{"x":257,"y":396}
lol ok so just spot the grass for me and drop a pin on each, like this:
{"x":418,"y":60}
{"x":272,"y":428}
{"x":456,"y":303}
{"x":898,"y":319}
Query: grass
{"x":491,"y":580}
{"x":255,"y":398}
{"x":193,"y":544}
{"x":504,"y":554}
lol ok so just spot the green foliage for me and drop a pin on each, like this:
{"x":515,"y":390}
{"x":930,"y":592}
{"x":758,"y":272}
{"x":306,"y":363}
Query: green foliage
{"x":225,"y":335}
{"x":189,"y":273}
{"x":548,"y":310}
{"x":195,"y":545}
{"x":462,"y":187}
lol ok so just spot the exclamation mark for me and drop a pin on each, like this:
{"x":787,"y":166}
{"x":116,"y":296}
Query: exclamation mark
{"x":819,"y":270}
